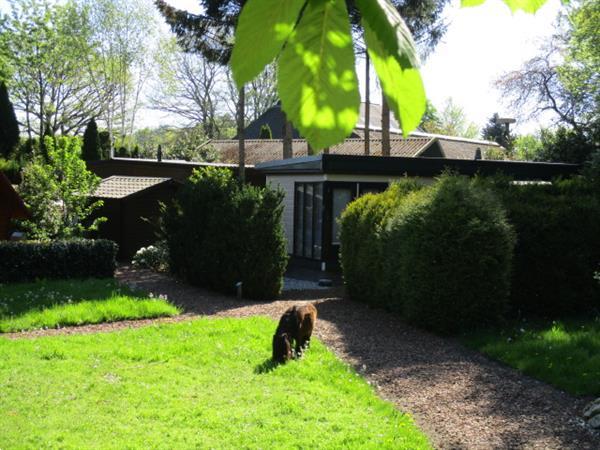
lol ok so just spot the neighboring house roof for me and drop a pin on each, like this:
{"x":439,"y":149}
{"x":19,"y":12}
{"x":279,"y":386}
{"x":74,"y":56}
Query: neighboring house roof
{"x":119,"y":186}
{"x":11,"y":204}
{"x":262,"y":150}
{"x":417,"y":144}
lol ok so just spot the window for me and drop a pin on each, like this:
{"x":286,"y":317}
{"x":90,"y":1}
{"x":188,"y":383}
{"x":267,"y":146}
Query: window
{"x":308,"y":219}
{"x":340,"y":199}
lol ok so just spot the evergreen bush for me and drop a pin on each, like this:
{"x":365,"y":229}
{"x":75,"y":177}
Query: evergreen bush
{"x":361,"y":251}
{"x":447,"y":256}
{"x":220,"y":233}
{"x":76,"y":258}
{"x":558,"y":247}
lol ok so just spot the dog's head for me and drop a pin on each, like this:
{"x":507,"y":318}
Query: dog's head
{"x":282,"y":350}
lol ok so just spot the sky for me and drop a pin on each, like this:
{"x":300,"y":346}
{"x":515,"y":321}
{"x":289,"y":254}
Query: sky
{"x":481,"y":43}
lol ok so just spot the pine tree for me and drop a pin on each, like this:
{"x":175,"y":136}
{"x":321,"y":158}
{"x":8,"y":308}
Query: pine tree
{"x":9,"y":127}
{"x":498,"y":132}
{"x":91,"y":142}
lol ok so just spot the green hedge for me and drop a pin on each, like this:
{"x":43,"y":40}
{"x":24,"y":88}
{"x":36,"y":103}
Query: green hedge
{"x":361,"y":254}
{"x":78,"y":258}
{"x":558,"y":247}
{"x":219,"y":233}
{"x":440,"y":256}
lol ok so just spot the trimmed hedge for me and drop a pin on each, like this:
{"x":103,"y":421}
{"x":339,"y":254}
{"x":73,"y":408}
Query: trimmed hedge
{"x":440,"y":255}
{"x":219,"y":232}
{"x":77,"y":258}
{"x":558,"y":247}
{"x":361,"y":254}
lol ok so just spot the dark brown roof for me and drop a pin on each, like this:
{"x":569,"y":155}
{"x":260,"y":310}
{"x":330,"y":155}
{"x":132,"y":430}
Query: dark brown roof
{"x":262,"y":150}
{"x":119,"y":186}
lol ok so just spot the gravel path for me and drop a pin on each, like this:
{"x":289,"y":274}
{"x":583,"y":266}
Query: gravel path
{"x":458,"y":397}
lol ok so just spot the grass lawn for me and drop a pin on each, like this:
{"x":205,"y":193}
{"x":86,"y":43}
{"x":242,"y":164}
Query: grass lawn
{"x":27,"y":306}
{"x":565,"y":354}
{"x":207,"y":383}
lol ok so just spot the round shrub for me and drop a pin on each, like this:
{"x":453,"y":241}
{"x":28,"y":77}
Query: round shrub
{"x":360,"y":237}
{"x":219,"y":232}
{"x":447,"y":256}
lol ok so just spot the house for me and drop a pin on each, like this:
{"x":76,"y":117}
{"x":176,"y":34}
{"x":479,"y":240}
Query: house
{"x":318,"y":188}
{"x":11,"y":207}
{"x":132,"y":207}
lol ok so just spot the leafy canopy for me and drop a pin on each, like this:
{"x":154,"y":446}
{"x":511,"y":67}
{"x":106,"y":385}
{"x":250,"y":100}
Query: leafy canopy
{"x":317,"y":81}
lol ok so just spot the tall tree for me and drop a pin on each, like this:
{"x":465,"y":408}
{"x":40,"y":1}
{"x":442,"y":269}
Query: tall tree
{"x":450,"y":121}
{"x":124,"y":36}
{"x":188,"y":87}
{"x":9,"y":127}
{"x":91,"y":142}
{"x":210,"y":34}
{"x":498,"y":132}
{"x":46,"y":45}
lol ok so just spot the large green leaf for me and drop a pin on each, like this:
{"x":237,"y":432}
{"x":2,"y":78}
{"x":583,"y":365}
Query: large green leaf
{"x":529,"y":6}
{"x":395,"y":60}
{"x":317,"y":80}
{"x":263,"y":27}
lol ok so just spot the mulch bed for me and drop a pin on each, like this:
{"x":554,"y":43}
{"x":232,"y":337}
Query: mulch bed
{"x":458,"y":397}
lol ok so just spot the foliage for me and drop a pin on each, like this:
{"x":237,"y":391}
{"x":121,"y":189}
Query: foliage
{"x":191,"y":144}
{"x":154,"y":257}
{"x":265,"y":132}
{"x":220,"y":233}
{"x":439,"y":255}
{"x":499,"y":133}
{"x":91,"y":142}
{"x":169,"y":381}
{"x":12,"y":169}
{"x":568,"y":145}
{"x":58,"y":303}
{"x":361,"y":252}
{"x":450,"y":121}
{"x":565,"y":354}
{"x":9,"y":127}
{"x":558,"y":247}
{"x":75,"y":258}
{"x":527,"y":147}
{"x":58,"y":193}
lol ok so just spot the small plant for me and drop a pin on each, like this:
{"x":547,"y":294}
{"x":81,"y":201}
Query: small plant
{"x":154,"y":257}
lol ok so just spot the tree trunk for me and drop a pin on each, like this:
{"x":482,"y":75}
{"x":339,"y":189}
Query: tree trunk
{"x":385,"y":127}
{"x":241,"y":140}
{"x":287,"y":139}
{"x":367,"y":118}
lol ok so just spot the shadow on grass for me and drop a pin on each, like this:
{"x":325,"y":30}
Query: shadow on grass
{"x":267,"y":366}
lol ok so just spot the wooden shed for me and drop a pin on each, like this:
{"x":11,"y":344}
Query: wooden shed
{"x":131,"y":205}
{"x":11,"y":207}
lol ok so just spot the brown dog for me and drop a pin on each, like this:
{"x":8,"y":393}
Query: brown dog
{"x":295,"y":326}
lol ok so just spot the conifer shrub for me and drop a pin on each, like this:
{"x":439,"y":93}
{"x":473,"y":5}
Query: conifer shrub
{"x":438,"y":255}
{"x":361,"y":251}
{"x":220,"y":233}
{"x":447,"y":257}
{"x":558,"y":247}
